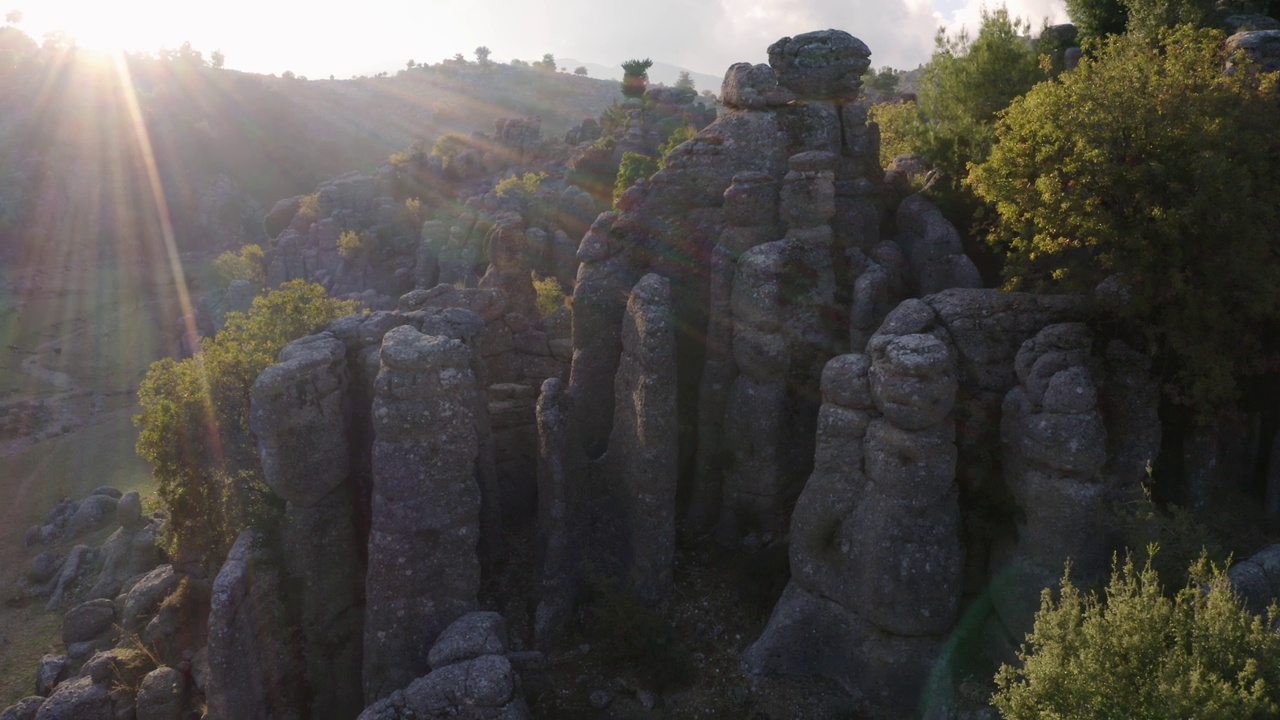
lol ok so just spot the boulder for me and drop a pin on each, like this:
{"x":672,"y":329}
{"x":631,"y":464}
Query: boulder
{"x":162,"y":695}
{"x":88,"y":620}
{"x":24,"y":709}
{"x":470,"y":636}
{"x":79,"y":699}
{"x":821,"y":65}
{"x":51,"y":670}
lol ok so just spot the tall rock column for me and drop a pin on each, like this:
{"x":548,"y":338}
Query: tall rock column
{"x":605,"y":277}
{"x":876,"y":558}
{"x":424,"y":571}
{"x":643,"y":446}
{"x":751,"y":216}
{"x":300,"y":415}
{"x":1055,"y":447}
{"x":783,"y":297}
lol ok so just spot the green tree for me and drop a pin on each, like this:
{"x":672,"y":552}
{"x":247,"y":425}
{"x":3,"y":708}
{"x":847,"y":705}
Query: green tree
{"x":899,"y":124}
{"x":194,"y":424}
{"x":684,"y":81}
{"x":1149,"y":162}
{"x":635,"y":77}
{"x":411,"y":64}
{"x":1098,"y":18}
{"x":581,"y":71}
{"x":885,"y":81}
{"x":634,"y":167}
{"x":13,"y":17}
{"x":1148,"y":17}
{"x":548,"y":63}
{"x":482,"y":55}
{"x":218,"y":60}
{"x":967,"y":82}
{"x":1137,"y":654}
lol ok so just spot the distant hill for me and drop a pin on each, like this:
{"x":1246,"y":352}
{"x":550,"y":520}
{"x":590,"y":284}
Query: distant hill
{"x":226,"y":145}
{"x":663,"y":73}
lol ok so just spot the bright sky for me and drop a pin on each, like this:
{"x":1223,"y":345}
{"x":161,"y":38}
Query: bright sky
{"x":318,"y":39}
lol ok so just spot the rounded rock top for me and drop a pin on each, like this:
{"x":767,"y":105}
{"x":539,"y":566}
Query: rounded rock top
{"x":821,"y":65}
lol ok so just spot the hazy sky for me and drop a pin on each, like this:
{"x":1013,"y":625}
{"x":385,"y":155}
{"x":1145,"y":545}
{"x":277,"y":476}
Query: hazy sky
{"x":318,"y":39}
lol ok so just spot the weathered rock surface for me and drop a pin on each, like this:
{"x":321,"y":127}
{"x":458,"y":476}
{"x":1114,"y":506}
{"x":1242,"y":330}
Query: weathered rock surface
{"x":641,"y":460}
{"x":162,"y":695}
{"x":252,"y":672}
{"x":24,"y":709}
{"x":424,"y":571}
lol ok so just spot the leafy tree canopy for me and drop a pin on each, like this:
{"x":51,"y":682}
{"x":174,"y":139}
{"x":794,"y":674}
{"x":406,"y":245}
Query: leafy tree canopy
{"x":194,"y":424}
{"x":1099,"y":18}
{"x":967,"y":82}
{"x":1149,"y":162}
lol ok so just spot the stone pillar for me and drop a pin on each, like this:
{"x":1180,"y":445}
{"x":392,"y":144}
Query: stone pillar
{"x":300,"y":414}
{"x":507,"y":251}
{"x":1055,"y":446}
{"x":751,"y":217}
{"x":605,"y":277}
{"x":876,"y":559}
{"x":783,"y":302}
{"x":252,"y":671}
{"x":424,"y":571}
{"x":643,"y":446}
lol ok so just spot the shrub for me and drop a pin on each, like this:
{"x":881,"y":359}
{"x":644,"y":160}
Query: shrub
{"x":309,"y":208}
{"x":678,"y":136}
{"x":1136,"y":653}
{"x":247,"y":264}
{"x":525,"y":185}
{"x":634,"y":167}
{"x":352,"y":245}
{"x":550,"y":295}
{"x":194,"y":423}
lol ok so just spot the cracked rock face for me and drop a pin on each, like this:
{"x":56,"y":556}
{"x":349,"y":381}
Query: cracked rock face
{"x":821,"y":65}
{"x":424,"y":571}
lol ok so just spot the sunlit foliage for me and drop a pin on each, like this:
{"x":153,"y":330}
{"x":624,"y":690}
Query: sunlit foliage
{"x":1134,"y":653}
{"x":194,"y":424}
{"x":245,"y":264}
{"x":1150,"y":162}
{"x":634,"y":167}
{"x":550,"y":294}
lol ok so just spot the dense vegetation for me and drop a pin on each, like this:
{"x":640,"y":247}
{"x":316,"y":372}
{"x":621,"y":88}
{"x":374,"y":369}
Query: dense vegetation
{"x":1151,"y":163}
{"x":195,"y":420}
{"x":1136,"y":653}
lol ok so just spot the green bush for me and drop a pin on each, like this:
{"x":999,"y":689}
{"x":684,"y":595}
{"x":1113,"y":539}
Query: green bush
{"x":525,"y":185}
{"x":353,"y":245}
{"x":1150,"y":162}
{"x":1135,"y":653}
{"x":635,"y":77}
{"x":634,"y":167}
{"x":677,"y":137}
{"x":246,"y":264}
{"x":550,"y":295}
{"x":194,"y":424}
{"x":309,"y":208}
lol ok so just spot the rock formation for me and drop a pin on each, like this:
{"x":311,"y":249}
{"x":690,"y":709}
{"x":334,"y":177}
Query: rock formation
{"x":424,"y":571}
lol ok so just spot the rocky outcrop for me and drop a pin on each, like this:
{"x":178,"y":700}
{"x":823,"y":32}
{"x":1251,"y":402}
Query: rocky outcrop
{"x":471,"y":678}
{"x":252,"y":672}
{"x":424,"y":571}
{"x":299,"y":413}
{"x":640,"y":463}
{"x":1261,"y":46}
{"x":876,"y":549}
{"x":932,"y":246}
